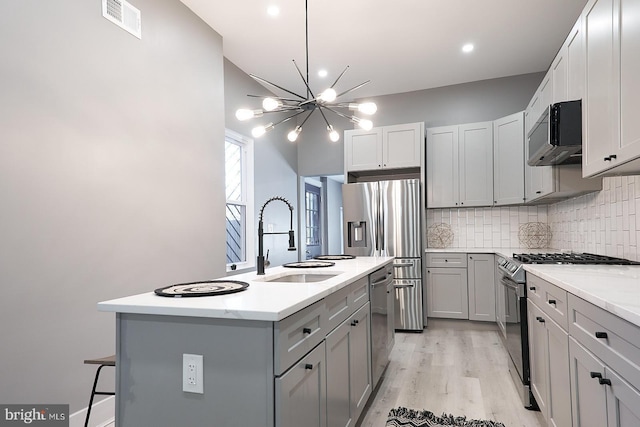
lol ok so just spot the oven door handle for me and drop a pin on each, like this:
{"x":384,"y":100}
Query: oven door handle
{"x":508,"y":283}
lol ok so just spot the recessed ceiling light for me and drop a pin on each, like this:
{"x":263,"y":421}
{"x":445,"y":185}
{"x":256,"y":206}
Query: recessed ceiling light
{"x":467,"y":48}
{"x":273,"y":10}
{"x":322,"y":73}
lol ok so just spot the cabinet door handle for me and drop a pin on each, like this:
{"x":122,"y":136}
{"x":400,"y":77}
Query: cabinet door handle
{"x":604,"y":381}
{"x":306,"y":330}
{"x":532,"y":288}
{"x":552,"y":301}
{"x":540,"y":319}
{"x":308,"y":366}
{"x":602,"y":335}
{"x":354,"y":323}
{"x":539,"y":192}
{"x":607,"y":159}
{"x":595,"y":374}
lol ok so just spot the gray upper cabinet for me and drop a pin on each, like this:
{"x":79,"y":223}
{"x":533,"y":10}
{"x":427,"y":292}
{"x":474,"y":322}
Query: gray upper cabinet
{"x":508,"y":160}
{"x":460,"y":165}
{"x":363,"y":149}
{"x":442,"y":167}
{"x":387,"y":147}
{"x":574,"y":58}
{"x":611,"y":129}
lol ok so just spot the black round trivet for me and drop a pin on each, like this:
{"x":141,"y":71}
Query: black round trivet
{"x":334,"y":257}
{"x":309,"y":264}
{"x":202,"y":289}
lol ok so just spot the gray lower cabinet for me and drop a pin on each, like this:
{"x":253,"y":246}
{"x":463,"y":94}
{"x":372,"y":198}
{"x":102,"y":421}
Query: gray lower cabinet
{"x":600,"y":396}
{"x":589,"y":398}
{"x":604,"y":366}
{"x":447,"y":291}
{"x":348,"y":369}
{"x":447,"y":294}
{"x":549,"y":353}
{"x":300,"y":393}
{"x":481,"y":283}
{"x":461,"y":286}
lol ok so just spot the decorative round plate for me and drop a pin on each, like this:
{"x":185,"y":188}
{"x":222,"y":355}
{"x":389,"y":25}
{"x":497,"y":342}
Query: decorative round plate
{"x":333,"y":257}
{"x":534,"y":235}
{"x":439,"y":235}
{"x":309,"y":264}
{"x":202,"y":289}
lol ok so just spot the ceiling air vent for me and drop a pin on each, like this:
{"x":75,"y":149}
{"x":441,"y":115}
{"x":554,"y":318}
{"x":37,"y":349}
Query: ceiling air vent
{"x":123,"y":15}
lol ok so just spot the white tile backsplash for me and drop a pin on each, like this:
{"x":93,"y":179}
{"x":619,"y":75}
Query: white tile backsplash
{"x":487,"y":227}
{"x":605,"y":222}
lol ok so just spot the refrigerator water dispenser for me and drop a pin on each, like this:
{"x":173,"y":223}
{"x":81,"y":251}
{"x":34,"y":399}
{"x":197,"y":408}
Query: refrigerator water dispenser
{"x":357,"y":234}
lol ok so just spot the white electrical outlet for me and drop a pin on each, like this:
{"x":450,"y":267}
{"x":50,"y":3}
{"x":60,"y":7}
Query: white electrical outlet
{"x":192,"y":373}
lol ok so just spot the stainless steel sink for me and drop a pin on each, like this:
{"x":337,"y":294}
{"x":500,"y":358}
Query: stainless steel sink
{"x":301,"y":277}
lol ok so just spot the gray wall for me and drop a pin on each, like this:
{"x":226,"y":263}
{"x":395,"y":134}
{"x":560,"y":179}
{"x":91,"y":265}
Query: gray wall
{"x":275,"y":161}
{"x":111,"y":164}
{"x":464,"y":103}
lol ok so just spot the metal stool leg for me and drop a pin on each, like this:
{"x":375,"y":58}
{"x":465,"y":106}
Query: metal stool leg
{"x":94,"y":392}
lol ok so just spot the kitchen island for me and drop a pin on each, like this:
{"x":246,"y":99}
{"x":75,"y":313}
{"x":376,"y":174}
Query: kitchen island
{"x":271,"y":353}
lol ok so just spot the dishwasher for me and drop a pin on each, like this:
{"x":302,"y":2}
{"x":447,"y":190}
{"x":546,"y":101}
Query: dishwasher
{"x":382,"y":319}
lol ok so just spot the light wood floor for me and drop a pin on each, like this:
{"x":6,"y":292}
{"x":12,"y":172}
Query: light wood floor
{"x":457,"y":367}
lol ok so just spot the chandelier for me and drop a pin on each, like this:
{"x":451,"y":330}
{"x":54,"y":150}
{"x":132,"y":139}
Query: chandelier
{"x":296,"y":104}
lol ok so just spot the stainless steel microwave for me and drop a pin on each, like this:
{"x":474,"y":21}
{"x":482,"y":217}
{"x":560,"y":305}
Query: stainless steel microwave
{"x":556,"y":137}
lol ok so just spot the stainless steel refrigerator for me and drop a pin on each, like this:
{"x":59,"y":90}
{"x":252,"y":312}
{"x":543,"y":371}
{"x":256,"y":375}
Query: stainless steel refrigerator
{"x":383,"y":219}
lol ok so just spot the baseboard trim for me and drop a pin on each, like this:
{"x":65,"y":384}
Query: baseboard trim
{"x":102,"y":414}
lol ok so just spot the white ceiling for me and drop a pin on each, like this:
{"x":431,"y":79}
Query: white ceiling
{"x":401,"y":45}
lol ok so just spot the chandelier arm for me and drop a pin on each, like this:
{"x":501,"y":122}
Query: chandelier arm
{"x":338,"y":113}
{"x":260,"y":79}
{"x":306,"y":82}
{"x":324,"y":116}
{"x":353,"y":88}
{"x":307,"y":118}
{"x":279,"y":98}
{"x":288,"y":118}
{"x":341,"y":74}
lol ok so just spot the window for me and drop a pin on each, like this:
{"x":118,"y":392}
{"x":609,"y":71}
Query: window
{"x":239,"y":194}
{"x":312,"y":207}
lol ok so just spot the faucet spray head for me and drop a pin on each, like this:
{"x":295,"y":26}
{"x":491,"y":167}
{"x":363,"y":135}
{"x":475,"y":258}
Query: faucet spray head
{"x":292,"y":241}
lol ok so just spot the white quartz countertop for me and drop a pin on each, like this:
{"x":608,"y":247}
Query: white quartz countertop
{"x":260,"y":301}
{"x":615,"y":288}
{"x":507,"y":252}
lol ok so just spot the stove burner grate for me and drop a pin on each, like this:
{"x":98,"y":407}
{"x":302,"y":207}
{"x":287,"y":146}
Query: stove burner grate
{"x":571,"y":258}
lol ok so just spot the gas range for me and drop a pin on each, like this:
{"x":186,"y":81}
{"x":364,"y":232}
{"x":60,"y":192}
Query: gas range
{"x":571,"y":258}
{"x":512,"y":267}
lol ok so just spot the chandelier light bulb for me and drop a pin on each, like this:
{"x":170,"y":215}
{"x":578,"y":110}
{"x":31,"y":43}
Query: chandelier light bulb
{"x":365,"y":124}
{"x":328,"y":95}
{"x":258,"y":131}
{"x":334,"y":136}
{"x":270,"y":104}
{"x":293,"y":135}
{"x":368,"y":108}
{"x":244,"y":114}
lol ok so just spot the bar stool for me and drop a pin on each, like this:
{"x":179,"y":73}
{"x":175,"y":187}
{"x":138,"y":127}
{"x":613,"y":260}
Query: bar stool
{"x":105,"y":361}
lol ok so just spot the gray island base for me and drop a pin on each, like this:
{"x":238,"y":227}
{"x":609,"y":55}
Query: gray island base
{"x":287,"y":355}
